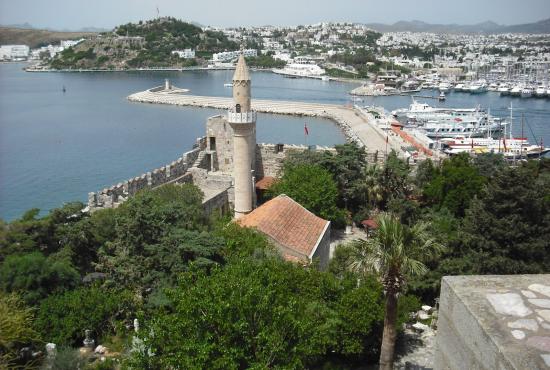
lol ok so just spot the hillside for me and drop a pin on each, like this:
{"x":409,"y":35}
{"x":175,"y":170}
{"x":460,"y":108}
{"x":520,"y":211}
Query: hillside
{"x":144,"y":44}
{"x":36,"y":38}
{"x":540,"y":27}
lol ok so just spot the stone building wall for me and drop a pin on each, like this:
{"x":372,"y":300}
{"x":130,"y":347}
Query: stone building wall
{"x":322,"y":253}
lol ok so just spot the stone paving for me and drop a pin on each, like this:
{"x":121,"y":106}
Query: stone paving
{"x":527,"y":315}
{"x":494,"y":322}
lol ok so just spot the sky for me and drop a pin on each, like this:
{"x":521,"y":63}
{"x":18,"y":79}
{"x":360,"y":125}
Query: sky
{"x":75,"y":14}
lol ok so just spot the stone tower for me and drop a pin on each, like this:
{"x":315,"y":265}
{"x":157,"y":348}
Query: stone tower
{"x":242,"y":119}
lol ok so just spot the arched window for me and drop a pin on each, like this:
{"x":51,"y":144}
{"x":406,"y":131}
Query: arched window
{"x":238,"y":108}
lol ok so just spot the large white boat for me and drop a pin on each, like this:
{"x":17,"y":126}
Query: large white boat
{"x":449,"y":122}
{"x":527,"y":92}
{"x":540,"y":92}
{"x":459,"y":87}
{"x":424,"y":112}
{"x":510,"y":148}
{"x":301,"y":70}
{"x":516,"y":90}
{"x":503,"y":89}
{"x":478,"y":87}
{"x":444,"y":86}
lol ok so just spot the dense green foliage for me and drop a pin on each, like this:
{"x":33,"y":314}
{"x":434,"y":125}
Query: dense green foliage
{"x":34,"y":276}
{"x":64,"y":317}
{"x":313,"y":187}
{"x":265,"y":61}
{"x":260,"y":314}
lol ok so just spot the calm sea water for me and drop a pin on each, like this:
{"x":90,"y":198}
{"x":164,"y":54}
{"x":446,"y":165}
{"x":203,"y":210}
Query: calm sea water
{"x":56,"y":147}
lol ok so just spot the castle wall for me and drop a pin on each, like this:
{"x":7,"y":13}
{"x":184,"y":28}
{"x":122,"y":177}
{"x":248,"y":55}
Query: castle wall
{"x":172,"y":172}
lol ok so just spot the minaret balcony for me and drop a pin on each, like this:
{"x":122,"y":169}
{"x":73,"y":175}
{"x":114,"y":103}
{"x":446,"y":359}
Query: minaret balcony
{"x":242,"y":117}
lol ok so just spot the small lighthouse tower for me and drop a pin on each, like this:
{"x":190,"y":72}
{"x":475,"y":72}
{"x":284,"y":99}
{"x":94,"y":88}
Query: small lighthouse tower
{"x":242,"y":119}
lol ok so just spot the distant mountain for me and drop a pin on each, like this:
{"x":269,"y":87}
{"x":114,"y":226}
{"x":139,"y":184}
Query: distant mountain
{"x":35,"y":37}
{"x":484,"y":27}
{"x":28,"y":26}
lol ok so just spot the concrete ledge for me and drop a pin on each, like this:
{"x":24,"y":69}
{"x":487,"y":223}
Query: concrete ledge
{"x":494,"y":322}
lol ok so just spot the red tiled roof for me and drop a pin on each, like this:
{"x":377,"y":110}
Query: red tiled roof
{"x":288,"y":224}
{"x":265,"y":183}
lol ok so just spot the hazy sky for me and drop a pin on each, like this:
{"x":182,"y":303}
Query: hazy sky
{"x":74,"y":14}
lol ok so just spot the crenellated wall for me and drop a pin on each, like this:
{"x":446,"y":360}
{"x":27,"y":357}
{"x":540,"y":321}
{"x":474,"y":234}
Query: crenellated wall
{"x":177,"y":171}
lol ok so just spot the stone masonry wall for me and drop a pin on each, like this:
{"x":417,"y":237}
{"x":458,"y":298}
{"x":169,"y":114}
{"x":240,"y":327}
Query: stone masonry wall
{"x":112,"y":196}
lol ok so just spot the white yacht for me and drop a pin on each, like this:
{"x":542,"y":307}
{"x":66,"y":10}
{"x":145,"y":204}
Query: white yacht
{"x":449,"y":122}
{"x":510,"y":148}
{"x":503,"y":89}
{"x":516,"y":90}
{"x":459,"y":87}
{"x":527,"y":92}
{"x":493,"y":87}
{"x":478,"y":87}
{"x":301,"y":70}
{"x":444,"y":87}
{"x":540,"y":92}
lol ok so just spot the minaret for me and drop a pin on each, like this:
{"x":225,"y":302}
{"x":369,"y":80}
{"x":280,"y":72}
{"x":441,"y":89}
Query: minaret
{"x":242,"y":119}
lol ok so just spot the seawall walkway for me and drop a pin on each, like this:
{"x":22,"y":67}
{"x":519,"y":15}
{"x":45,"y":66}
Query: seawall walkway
{"x":357,"y":127}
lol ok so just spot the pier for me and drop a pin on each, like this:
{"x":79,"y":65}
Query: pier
{"x":355,"y":124}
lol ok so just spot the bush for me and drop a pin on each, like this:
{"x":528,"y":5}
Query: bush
{"x":36,"y":276}
{"x":63,"y":318}
{"x":16,"y":331}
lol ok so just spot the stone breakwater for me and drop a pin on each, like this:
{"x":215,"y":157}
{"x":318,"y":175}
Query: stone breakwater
{"x":176,"y":171}
{"x":356,"y":127}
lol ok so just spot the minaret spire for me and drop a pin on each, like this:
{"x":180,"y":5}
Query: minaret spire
{"x":242,"y":119}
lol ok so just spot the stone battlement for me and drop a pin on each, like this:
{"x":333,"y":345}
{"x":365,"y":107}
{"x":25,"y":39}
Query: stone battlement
{"x":178,"y":169}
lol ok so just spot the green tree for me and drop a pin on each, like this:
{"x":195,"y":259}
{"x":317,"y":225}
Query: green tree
{"x":507,"y":228}
{"x":62,"y":318}
{"x":313,"y":187}
{"x":394,"y":253}
{"x":34,"y":276}
{"x":458,"y":182}
{"x":263,"y":313}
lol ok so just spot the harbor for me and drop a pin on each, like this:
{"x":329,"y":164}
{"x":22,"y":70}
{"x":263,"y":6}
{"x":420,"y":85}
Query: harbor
{"x":87,"y":148}
{"x":355,"y":124}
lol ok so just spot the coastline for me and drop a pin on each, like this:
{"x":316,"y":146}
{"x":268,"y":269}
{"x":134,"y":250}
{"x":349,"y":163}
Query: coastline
{"x":175,"y":69}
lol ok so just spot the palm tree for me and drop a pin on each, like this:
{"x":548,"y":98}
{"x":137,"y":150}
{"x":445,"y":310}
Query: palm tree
{"x":394,"y":252}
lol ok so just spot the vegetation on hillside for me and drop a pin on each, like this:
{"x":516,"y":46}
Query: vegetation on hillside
{"x":159,"y":36}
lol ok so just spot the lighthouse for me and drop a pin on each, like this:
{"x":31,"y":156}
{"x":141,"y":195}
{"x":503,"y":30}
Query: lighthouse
{"x":242,"y":119}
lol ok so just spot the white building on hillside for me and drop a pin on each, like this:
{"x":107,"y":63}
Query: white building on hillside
{"x":227,"y":56}
{"x":185,"y":54}
{"x":14,"y":52}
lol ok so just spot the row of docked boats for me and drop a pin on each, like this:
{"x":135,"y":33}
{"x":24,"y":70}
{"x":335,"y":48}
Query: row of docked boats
{"x":482,"y":86}
{"x":470,"y":130}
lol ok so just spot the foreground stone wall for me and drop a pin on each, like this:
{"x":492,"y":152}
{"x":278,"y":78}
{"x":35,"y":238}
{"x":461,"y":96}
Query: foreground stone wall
{"x":494,"y":322}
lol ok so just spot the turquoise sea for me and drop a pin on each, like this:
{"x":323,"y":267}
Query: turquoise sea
{"x":56,"y":147}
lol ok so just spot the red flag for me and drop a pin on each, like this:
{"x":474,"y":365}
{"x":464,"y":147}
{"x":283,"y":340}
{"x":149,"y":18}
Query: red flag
{"x":305,"y":129}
